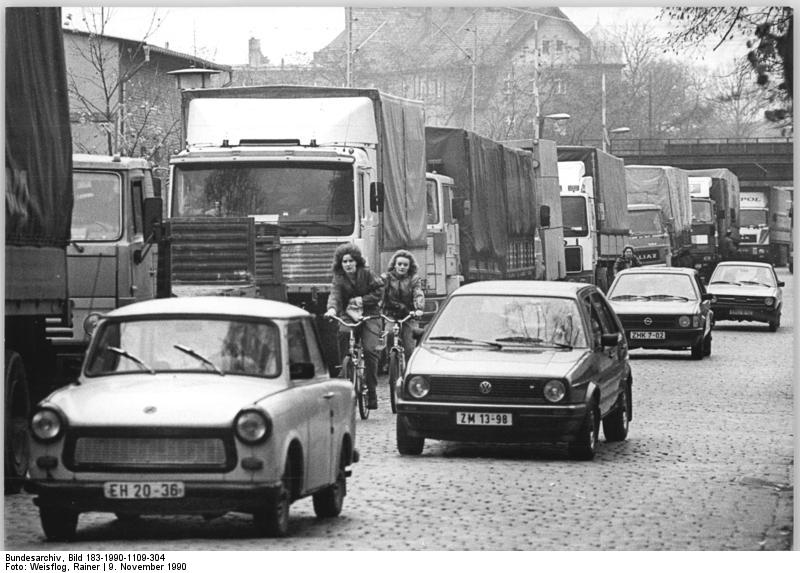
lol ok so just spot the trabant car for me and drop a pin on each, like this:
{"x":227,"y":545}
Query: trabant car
{"x":663,"y":308}
{"x":747,"y":291}
{"x":196,"y":405}
{"x":518,"y":362}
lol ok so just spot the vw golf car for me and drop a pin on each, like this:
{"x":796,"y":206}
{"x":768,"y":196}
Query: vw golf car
{"x":663,"y":308}
{"x":196,"y":405}
{"x":747,"y":291}
{"x":518,"y":362}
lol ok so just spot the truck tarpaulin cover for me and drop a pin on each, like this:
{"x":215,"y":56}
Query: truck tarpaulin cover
{"x":667,"y":187}
{"x":497,"y":181}
{"x":608,"y":173}
{"x":38,"y":183}
{"x":721,"y":179}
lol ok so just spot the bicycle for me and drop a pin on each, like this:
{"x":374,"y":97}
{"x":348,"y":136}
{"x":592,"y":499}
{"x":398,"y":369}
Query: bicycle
{"x":353,"y":364}
{"x":397,"y":357}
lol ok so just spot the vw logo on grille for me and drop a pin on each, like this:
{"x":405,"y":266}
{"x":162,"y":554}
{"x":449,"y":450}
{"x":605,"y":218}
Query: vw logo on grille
{"x":485,"y":387}
{"x":648,"y":321}
{"x":150,"y":410}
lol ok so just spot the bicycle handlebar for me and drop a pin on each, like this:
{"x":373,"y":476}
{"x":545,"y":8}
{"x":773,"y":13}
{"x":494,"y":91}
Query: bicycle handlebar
{"x":361,"y":321}
{"x":399,"y":320}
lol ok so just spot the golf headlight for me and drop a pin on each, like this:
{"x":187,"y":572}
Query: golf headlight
{"x":554,"y":390}
{"x":769,"y":301}
{"x":418,"y":386}
{"x":47,"y":425}
{"x":684,"y":321}
{"x":252,"y":426}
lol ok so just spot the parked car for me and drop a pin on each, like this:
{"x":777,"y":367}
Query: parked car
{"x":664,"y":308}
{"x":747,"y":291}
{"x":518,"y":362}
{"x":196,"y":405}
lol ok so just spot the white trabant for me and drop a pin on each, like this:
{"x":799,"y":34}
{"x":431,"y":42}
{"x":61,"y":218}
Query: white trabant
{"x":196,"y":405}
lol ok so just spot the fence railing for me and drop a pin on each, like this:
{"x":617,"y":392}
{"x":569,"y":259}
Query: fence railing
{"x":698,"y":146}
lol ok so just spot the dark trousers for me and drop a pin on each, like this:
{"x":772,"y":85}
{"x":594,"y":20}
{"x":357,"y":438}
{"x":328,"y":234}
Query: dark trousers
{"x":369,"y":332}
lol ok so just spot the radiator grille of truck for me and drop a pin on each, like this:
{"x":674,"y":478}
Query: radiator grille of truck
{"x":572,"y":259}
{"x":212,"y":250}
{"x":307,"y":263}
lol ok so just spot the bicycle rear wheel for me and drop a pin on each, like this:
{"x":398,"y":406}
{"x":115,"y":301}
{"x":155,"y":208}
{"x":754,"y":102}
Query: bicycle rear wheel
{"x":396,"y":367}
{"x":361,"y":392}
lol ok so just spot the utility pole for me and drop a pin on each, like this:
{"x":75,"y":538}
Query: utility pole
{"x":603,"y":106}
{"x":349,"y":33}
{"x":474,"y":64}
{"x":537,"y":120}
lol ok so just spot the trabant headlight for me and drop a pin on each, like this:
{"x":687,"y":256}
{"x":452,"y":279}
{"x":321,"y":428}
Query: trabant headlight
{"x":252,"y":426}
{"x":684,"y":321}
{"x":47,"y":425}
{"x":418,"y":386}
{"x":90,"y":322}
{"x":554,"y":390}
{"x":769,"y":301}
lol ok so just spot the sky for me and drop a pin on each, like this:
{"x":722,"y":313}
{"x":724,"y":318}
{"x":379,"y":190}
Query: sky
{"x":291,"y":34}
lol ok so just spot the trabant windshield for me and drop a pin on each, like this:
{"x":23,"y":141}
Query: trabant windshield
{"x":653,"y":286}
{"x":213,"y":345}
{"x":510,"y":321}
{"x":645,"y":222}
{"x":306,"y":199}
{"x":97,"y":208}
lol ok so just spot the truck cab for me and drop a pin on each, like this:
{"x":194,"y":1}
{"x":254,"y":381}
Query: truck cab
{"x":109,"y":260}
{"x":650,"y":237}
{"x":578,"y":215}
{"x":704,"y":248}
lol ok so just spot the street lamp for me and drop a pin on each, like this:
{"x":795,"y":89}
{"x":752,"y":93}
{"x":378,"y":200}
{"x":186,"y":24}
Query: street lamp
{"x":613,"y":132}
{"x":552,"y":116}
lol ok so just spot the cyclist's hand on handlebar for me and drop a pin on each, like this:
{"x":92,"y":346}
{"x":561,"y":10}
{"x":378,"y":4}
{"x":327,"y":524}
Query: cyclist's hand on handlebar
{"x":331,"y":312}
{"x":417,"y":313}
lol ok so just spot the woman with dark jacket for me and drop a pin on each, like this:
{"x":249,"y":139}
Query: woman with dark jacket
{"x":403,"y":294}
{"x":357,"y":291}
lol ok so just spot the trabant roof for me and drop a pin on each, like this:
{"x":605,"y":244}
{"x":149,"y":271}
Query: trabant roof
{"x":744,"y":264}
{"x":208,"y":305}
{"x":115,"y":162}
{"x":523,"y":288}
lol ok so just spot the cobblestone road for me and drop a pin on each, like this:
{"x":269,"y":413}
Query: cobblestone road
{"x":707,"y":466}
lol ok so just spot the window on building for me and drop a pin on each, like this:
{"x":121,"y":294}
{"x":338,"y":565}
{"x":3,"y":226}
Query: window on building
{"x":559,"y":46}
{"x":558,"y":86}
{"x":545,"y":46}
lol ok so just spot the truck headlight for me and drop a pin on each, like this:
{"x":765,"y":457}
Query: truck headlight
{"x":684,"y":321}
{"x":47,"y":425}
{"x":554,"y":390}
{"x":769,"y":301}
{"x":252,"y":426}
{"x":418,"y":386}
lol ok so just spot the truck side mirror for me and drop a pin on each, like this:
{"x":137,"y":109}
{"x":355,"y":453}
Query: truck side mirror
{"x":544,"y":216}
{"x":376,"y":196}
{"x":152,"y":218}
{"x":156,"y":186}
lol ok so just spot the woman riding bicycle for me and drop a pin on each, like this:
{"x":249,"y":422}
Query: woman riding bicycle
{"x":403,"y":294}
{"x":357,"y":291}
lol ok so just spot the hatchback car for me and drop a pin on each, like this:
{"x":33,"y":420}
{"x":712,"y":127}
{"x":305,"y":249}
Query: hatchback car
{"x":663,"y":308}
{"x":197,"y":405}
{"x":518,"y":362}
{"x":747,"y":291}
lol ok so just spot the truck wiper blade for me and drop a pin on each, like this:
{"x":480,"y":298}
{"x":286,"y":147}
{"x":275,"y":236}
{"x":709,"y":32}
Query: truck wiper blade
{"x":138,"y":361}
{"x":468,"y":340}
{"x":200,"y":357}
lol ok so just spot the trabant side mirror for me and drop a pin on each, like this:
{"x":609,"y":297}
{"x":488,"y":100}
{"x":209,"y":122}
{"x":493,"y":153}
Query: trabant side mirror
{"x":544,"y":216}
{"x":376,"y":196}
{"x":301,"y":370}
{"x":781,"y":283}
{"x":609,"y":339}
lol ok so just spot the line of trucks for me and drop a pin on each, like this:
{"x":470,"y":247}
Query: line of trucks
{"x":273,"y":178}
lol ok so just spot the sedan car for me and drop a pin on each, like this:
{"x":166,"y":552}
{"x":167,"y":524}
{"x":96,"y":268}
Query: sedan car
{"x":518,"y":362}
{"x":663,"y":308}
{"x":197,"y":405}
{"x":747,"y":291}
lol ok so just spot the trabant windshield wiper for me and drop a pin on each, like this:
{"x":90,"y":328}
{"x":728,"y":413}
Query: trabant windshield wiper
{"x":667,"y":297}
{"x":138,"y":361}
{"x":630,"y":297}
{"x":468,"y":340}
{"x":200,"y":357}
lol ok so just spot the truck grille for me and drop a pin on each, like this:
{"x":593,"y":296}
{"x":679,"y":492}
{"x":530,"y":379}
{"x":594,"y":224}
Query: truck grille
{"x":211,"y":250}
{"x":118,"y":450}
{"x":308,"y":263}
{"x":502,"y":389}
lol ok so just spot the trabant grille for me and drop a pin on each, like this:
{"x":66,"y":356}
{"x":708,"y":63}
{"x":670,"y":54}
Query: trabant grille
{"x":637,"y":322}
{"x":476,"y":390}
{"x":150,"y":453}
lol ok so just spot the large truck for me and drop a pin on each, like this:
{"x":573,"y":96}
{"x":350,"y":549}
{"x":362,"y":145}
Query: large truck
{"x":493,"y":202}
{"x":594,"y":206}
{"x":110,"y":260}
{"x":39,"y":197}
{"x":660,"y":214}
{"x":715,"y":211}
{"x":765,"y":227}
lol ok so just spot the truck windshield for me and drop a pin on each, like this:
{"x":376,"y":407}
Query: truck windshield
{"x":753,"y":217}
{"x":573,"y":212}
{"x":97,"y":209}
{"x":701,"y":212}
{"x":311,"y":199}
{"x":645,"y":222}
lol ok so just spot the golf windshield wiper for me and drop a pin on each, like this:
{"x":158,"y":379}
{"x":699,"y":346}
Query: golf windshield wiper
{"x":138,"y":361}
{"x":467,"y":340}
{"x":755,"y":283}
{"x":667,"y":297}
{"x":200,"y":357}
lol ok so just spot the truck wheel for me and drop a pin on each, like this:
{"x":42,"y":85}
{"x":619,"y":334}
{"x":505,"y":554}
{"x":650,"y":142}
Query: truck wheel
{"x":17,"y":411}
{"x":58,"y":524}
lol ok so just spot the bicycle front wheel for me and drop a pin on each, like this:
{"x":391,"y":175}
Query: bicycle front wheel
{"x":396,"y":367}
{"x":361,"y":392}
